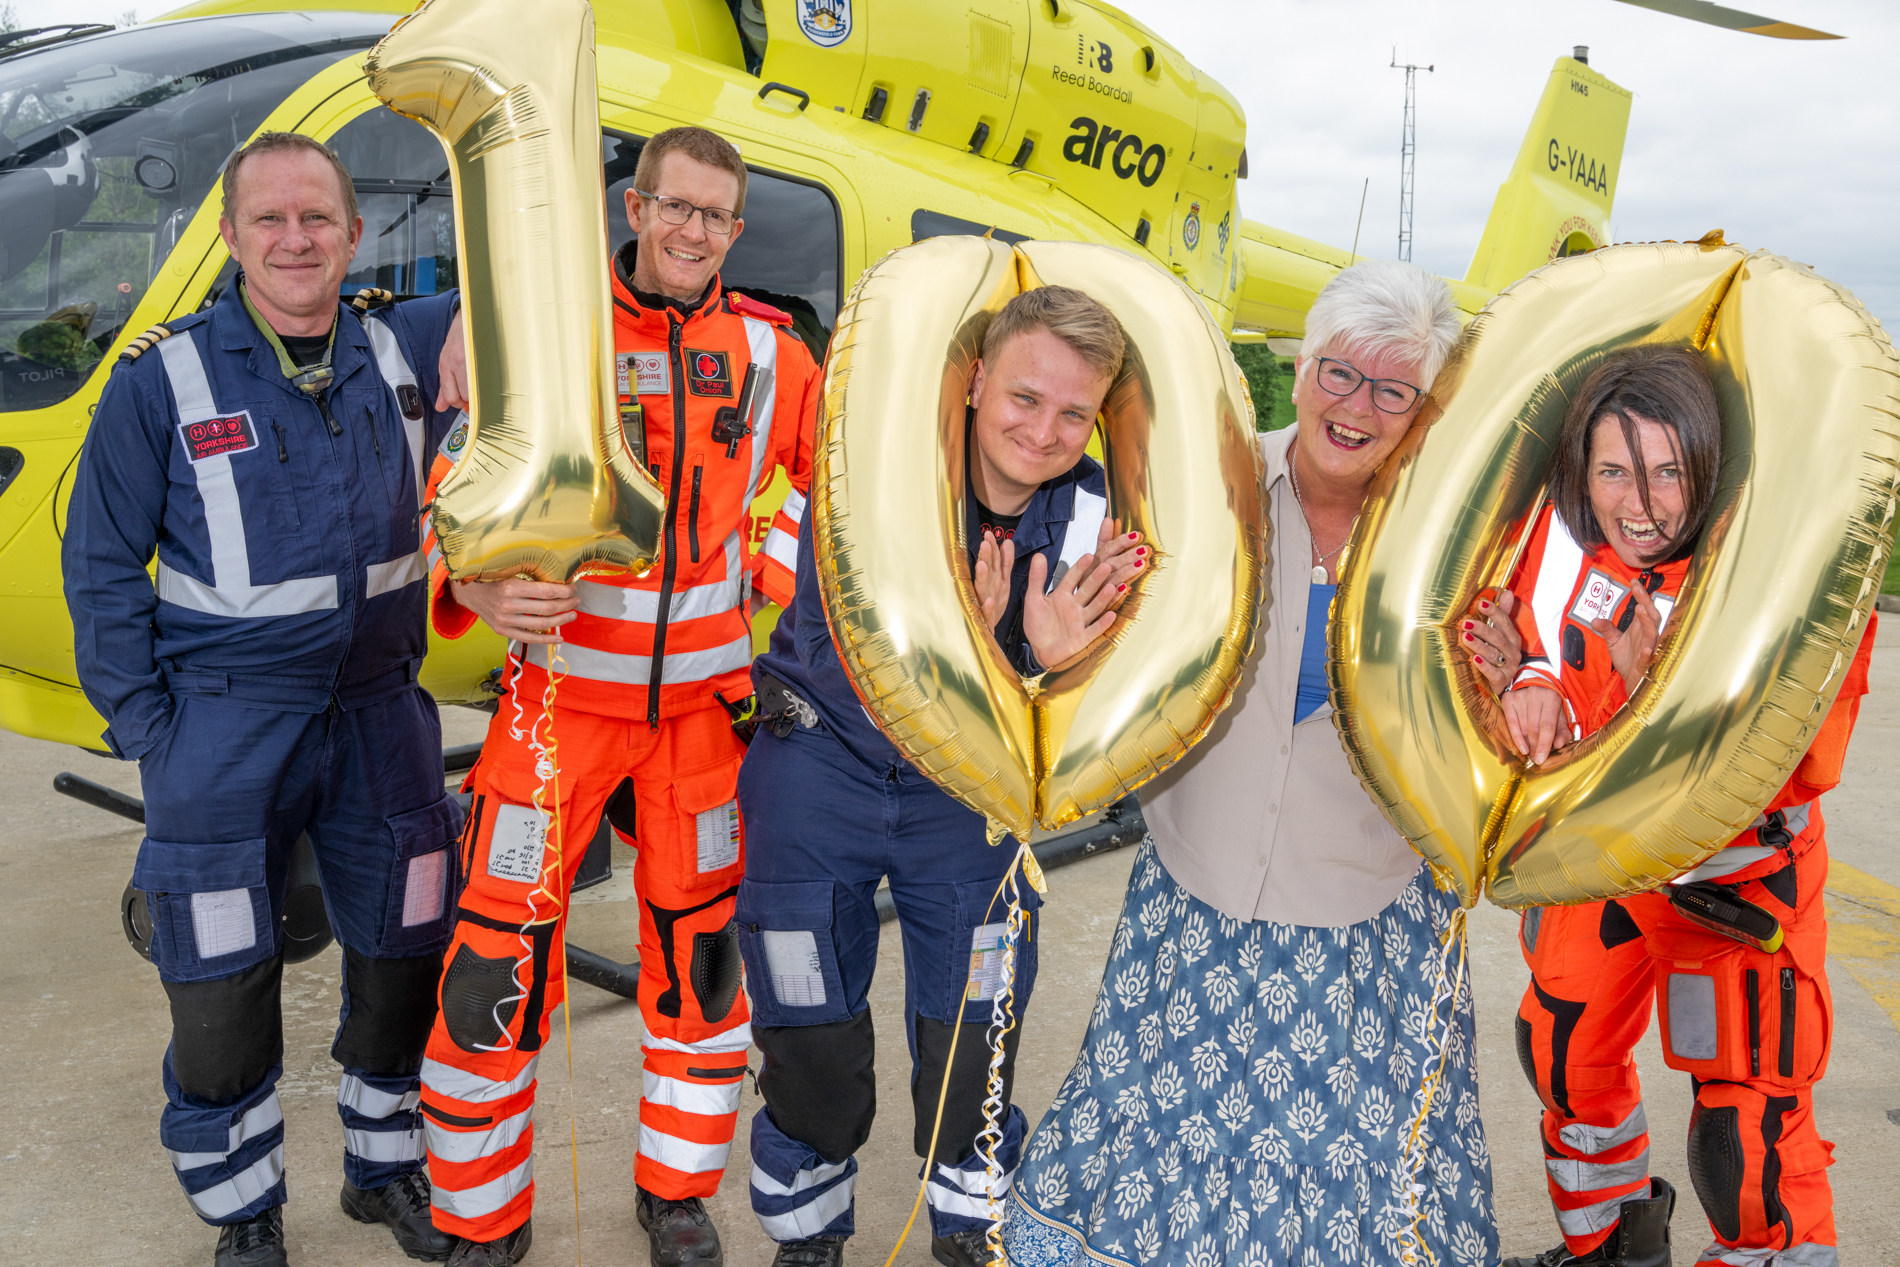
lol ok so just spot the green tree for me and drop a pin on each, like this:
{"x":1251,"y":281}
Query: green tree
{"x":1269,"y":380}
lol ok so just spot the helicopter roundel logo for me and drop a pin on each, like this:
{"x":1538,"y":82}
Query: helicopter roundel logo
{"x":1191,"y":227}
{"x":826,"y":23}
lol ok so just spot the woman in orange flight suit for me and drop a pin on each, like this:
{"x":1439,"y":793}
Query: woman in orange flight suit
{"x":1635,"y":476}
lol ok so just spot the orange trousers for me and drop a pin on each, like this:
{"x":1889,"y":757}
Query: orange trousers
{"x":671,"y":791}
{"x":1752,"y":1029}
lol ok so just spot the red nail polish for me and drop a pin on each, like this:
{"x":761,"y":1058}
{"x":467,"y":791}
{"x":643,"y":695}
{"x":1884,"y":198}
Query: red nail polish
{"x":1469,"y":625}
{"x":1483,"y":605}
{"x":1137,"y":562}
{"x":1466,"y":637}
{"x":1141,"y":551}
{"x":1476,"y":660}
{"x":1121,"y":589}
{"x":1134,"y":536}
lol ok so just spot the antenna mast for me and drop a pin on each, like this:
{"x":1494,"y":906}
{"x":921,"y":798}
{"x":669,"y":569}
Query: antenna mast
{"x":1408,"y":152}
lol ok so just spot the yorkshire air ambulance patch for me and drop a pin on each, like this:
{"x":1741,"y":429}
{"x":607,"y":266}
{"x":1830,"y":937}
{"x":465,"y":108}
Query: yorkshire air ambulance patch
{"x":218,"y":437}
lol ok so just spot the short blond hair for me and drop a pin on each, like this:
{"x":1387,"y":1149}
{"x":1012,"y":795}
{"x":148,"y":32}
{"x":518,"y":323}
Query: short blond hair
{"x":287,"y":143}
{"x":698,"y":144}
{"x":1079,"y":321}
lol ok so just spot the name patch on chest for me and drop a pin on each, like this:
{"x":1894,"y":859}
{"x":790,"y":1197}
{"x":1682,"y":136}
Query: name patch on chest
{"x":647,"y":370}
{"x":218,"y":437}
{"x":1598,"y":597}
{"x":708,"y":373}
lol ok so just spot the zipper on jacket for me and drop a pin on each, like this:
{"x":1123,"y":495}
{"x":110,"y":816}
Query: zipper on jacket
{"x":1786,"y":1061}
{"x":692,"y":515}
{"x":1753,"y":980}
{"x":283,"y":451}
{"x":329,"y":419}
{"x":670,"y":546}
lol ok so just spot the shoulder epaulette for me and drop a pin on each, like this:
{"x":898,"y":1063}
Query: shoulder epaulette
{"x":750,"y":307}
{"x":371,"y":295}
{"x":140,"y":346}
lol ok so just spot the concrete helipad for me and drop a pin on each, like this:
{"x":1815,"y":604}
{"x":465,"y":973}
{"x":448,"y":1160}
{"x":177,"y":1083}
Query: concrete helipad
{"x":82,"y":1178}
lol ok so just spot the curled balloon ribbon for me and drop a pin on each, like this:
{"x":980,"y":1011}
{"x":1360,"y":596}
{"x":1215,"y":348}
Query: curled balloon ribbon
{"x":1781,"y":583}
{"x":887,"y":502}
{"x":547,"y":487}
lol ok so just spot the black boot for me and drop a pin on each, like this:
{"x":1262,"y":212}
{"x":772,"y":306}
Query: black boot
{"x":819,"y":1251}
{"x":968,"y":1248}
{"x":504,"y":1251}
{"x":1640,"y":1238}
{"x":403,"y":1207}
{"x":256,"y":1242}
{"x":679,"y":1233}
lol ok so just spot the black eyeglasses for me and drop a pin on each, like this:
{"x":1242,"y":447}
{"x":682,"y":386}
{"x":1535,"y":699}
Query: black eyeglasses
{"x":678,"y":211}
{"x":1389,"y":395}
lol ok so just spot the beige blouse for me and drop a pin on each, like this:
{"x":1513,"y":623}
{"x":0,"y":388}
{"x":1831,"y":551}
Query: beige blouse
{"x":1265,"y":819}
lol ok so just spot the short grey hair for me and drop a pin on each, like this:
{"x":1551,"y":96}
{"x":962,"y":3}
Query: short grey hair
{"x":1385,"y":306}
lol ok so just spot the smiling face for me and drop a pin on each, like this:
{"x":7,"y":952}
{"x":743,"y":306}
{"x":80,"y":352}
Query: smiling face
{"x":1035,"y":404}
{"x":677,"y":260}
{"x":1342,"y":439}
{"x":288,"y":230}
{"x":1636,"y":533}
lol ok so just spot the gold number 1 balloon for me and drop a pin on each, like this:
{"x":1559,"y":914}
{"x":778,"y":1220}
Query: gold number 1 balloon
{"x":547,"y":486}
{"x":1777,"y":597}
{"x":1183,"y":469}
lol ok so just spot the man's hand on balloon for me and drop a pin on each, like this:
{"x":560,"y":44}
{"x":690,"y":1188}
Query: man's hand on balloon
{"x":1534,"y":715}
{"x":1489,"y":635}
{"x":1066,"y":622}
{"x":451,"y":369}
{"x":524,"y":611}
{"x":1632,"y":649}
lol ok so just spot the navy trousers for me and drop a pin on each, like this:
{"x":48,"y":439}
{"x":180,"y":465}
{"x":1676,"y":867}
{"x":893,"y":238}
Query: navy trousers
{"x":823,"y":826}
{"x":227,"y":792}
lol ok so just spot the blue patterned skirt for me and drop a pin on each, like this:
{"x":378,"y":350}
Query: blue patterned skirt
{"x":1244,"y":1092}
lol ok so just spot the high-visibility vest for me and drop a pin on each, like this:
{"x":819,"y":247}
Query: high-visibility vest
{"x":662,"y":644}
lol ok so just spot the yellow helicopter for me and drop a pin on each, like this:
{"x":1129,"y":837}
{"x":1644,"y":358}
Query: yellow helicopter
{"x":867,"y":124}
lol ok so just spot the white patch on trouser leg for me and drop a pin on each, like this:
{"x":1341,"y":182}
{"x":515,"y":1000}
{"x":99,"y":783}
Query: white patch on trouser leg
{"x":221,"y":922}
{"x":718,"y":830}
{"x":516,"y":843}
{"x":1692,"y":1032}
{"x":986,"y":963}
{"x":423,"y":888}
{"x":798,"y":975}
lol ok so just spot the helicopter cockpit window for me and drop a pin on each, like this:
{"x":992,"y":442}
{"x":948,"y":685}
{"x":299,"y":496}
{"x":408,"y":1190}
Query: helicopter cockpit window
{"x":407,"y":203}
{"x":107,"y":147}
{"x":789,"y":255}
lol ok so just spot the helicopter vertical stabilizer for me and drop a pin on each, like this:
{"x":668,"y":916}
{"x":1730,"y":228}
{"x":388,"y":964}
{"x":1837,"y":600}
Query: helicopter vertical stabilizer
{"x":1557,"y":199}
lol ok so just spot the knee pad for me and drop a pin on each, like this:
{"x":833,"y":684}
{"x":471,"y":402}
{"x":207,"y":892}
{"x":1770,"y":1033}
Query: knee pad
{"x":391,"y":1008}
{"x":478,"y":992}
{"x":969,"y":1085}
{"x":819,"y":1084}
{"x":715,"y":971}
{"x":227,"y":1032}
{"x":1717,"y":1166}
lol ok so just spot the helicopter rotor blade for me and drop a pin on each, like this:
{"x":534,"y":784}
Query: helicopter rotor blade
{"x":1732,"y":19}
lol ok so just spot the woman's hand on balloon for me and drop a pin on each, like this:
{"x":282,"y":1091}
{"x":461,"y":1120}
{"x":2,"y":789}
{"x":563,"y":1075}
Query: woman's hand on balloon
{"x":1534,"y":715}
{"x":995,"y":561}
{"x":1065,"y":622}
{"x":1632,"y":649}
{"x":521,"y":610}
{"x":1489,"y":635}
{"x":451,"y":369}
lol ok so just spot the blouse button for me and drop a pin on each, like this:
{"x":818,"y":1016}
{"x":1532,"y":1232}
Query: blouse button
{"x":1283,"y":750}
{"x":1274,"y":808}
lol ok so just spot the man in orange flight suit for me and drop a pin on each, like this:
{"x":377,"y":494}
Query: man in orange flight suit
{"x":641,"y":734}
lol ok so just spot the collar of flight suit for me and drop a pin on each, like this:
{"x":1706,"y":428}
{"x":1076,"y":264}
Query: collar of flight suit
{"x":238,"y":331}
{"x":646,"y":318}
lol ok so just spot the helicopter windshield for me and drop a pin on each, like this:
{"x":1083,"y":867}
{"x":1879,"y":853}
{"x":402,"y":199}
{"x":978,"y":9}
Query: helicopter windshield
{"x":108,"y":145}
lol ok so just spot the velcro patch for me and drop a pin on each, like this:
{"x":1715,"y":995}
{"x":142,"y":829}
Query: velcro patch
{"x":651,"y":375}
{"x":708,"y":373}
{"x":1598,"y":597}
{"x":218,"y":437}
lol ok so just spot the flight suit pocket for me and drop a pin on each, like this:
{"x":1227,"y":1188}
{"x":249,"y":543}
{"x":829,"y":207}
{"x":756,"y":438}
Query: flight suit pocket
{"x":713,"y":844}
{"x":791,"y":959}
{"x":211,"y":914}
{"x":1708,"y":1026}
{"x":975,"y":962}
{"x":416,"y":912}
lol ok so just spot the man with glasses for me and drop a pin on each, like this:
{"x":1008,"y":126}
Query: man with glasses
{"x":715,"y":393}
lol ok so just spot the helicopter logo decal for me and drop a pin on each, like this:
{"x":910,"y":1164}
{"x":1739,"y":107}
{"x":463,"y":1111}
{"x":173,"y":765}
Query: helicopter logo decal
{"x":1191,"y":227}
{"x":826,"y":23}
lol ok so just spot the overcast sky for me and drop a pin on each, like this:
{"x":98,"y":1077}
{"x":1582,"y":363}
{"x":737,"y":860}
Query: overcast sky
{"x":1788,"y":145}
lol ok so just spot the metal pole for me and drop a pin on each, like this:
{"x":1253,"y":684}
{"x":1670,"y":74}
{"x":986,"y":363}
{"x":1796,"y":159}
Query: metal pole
{"x":1408,"y":153}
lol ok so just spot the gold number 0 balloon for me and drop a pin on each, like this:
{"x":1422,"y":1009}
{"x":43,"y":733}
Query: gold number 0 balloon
{"x":1183,"y":468}
{"x":546,"y":487}
{"x":1775,"y":604}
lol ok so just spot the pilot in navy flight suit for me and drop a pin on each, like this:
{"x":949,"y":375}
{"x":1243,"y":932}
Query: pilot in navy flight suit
{"x":833,"y":808}
{"x":267,"y":687}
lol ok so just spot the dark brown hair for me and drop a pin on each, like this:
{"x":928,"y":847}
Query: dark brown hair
{"x":1079,"y":320}
{"x":1667,"y":385}
{"x":282,"y":143}
{"x":697,"y":144}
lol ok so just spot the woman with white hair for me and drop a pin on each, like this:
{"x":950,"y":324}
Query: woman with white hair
{"x":1251,"y":1076}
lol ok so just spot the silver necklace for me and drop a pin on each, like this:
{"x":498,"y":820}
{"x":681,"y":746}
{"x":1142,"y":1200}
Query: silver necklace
{"x":1319,"y":560}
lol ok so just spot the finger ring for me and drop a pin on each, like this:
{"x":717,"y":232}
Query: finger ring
{"x":1500,"y":662}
